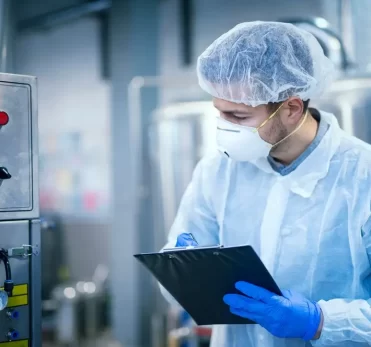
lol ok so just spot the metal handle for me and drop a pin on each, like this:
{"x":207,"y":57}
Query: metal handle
{"x":4,"y":173}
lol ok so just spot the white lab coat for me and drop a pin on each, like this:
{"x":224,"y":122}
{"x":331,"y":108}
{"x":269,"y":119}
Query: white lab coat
{"x":311,"y":228}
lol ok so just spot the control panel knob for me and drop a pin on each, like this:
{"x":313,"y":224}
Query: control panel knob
{"x":4,"y":173}
{"x":12,"y":335}
{"x":12,"y":314}
{"x":4,"y":119}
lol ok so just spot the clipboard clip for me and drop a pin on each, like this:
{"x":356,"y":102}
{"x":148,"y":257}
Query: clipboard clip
{"x":190,"y":248}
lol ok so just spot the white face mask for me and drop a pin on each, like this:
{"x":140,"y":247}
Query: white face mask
{"x":244,"y":143}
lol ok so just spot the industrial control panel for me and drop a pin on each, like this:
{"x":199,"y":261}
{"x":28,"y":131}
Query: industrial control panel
{"x":20,"y":251}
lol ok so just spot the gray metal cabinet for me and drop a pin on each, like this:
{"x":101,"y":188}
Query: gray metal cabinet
{"x":19,"y":207}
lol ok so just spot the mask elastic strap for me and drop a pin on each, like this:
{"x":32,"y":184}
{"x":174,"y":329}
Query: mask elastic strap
{"x":269,"y":118}
{"x":300,"y":125}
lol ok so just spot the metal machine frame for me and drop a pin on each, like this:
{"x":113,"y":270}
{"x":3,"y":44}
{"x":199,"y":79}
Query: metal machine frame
{"x":19,"y":205}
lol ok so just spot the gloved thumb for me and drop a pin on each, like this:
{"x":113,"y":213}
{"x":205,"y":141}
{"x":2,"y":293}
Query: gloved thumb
{"x":185,"y":239}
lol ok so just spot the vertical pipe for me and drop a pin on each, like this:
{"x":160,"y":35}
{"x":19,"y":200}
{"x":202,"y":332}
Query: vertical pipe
{"x":347,"y":28}
{"x":186,"y":31}
{"x":104,"y":43}
{"x":134,"y":51}
{"x":35,"y":283}
{"x":6,"y":33}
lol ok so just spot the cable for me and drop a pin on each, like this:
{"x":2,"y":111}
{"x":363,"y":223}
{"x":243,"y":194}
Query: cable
{"x":8,"y":283}
{"x":4,"y":258}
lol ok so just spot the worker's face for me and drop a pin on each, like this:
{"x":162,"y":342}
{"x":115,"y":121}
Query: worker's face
{"x":272,"y":132}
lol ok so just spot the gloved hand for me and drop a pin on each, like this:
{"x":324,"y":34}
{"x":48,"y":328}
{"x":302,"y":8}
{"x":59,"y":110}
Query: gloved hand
{"x":185,"y":239}
{"x":290,"y":315}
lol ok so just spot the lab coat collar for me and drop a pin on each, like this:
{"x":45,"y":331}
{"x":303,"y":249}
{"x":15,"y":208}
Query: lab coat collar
{"x":304,"y":178}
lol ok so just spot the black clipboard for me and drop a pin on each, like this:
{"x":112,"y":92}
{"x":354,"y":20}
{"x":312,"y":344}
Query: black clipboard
{"x":198,"y":278}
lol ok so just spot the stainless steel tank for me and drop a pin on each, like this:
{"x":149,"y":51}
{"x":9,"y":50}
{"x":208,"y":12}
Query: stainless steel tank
{"x":349,"y":99}
{"x":180,"y":135}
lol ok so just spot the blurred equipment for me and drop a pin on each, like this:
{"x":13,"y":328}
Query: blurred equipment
{"x":53,"y":269}
{"x":192,"y":336}
{"x":19,"y":211}
{"x":53,"y":262}
{"x":183,"y":331}
{"x":167,"y":144}
{"x":180,"y":135}
{"x":98,"y":8}
{"x":65,"y":15}
{"x":349,"y":99}
{"x":331,"y":43}
{"x":81,"y":309}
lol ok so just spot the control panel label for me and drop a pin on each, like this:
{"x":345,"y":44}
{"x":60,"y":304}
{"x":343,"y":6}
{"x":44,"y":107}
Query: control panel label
{"x":20,"y":289}
{"x":19,"y":300}
{"x":20,"y":296}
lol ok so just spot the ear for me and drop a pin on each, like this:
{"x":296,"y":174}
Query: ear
{"x":296,"y":110}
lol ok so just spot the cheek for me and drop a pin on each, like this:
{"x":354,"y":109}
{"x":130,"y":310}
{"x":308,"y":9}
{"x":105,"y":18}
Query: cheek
{"x":273,"y":132}
{"x":268,"y":134}
{"x":253,"y":122}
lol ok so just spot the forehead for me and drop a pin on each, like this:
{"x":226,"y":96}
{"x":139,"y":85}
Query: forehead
{"x":221,"y":104}
{"x":224,"y":105}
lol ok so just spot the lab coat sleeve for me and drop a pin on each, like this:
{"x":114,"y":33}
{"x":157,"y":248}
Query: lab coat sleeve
{"x":196,"y":214}
{"x":347,"y":320}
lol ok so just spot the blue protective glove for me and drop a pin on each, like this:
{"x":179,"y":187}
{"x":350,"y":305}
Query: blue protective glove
{"x":290,"y":315}
{"x":185,"y":239}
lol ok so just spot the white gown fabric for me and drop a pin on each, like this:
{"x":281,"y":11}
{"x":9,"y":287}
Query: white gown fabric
{"x":311,"y":228}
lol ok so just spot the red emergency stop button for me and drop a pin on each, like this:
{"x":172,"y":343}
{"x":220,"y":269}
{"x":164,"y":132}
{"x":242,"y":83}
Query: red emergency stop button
{"x":4,"y":118}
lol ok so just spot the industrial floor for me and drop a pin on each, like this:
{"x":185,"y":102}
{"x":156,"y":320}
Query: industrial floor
{"x":96,"y":343}
{"x":103,"y":341}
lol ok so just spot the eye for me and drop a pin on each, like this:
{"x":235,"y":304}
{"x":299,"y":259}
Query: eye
{"x":233,"y":117}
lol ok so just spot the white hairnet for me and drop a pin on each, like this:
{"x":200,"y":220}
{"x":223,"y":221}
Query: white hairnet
{"x":260,"y":62}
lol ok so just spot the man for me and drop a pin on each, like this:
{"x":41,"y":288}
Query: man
{"x":290,"y":183}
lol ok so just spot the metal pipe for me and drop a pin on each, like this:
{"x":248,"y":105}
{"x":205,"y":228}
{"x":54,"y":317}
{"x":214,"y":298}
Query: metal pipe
{"x":54,"y":18}
{"x":186,"y":12}
{"x":332,"y":42}
{"x":346,"y":23}
{"x":5,"y":36}
{"x":136,"y":125}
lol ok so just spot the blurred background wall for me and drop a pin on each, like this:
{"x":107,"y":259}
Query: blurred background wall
{"x":74,"y":125}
